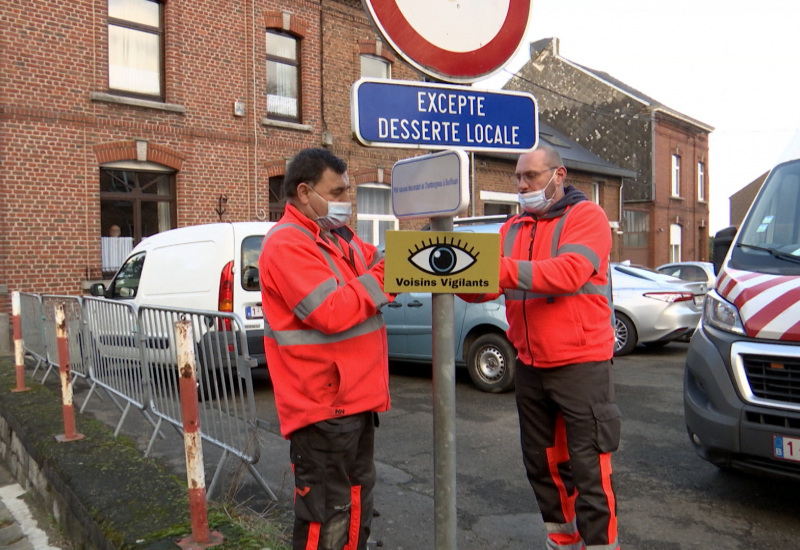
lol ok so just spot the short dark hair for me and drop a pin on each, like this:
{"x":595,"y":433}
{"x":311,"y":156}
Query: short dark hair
{"x":307,"y":166}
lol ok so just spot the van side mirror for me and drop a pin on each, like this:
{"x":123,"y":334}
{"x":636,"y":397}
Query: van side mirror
{"x":722,"y":242}
{"x":97,"y":289}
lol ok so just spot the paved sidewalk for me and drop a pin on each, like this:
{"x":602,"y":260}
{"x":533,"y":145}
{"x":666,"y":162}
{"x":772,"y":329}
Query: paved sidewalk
{"x":19,"y":529}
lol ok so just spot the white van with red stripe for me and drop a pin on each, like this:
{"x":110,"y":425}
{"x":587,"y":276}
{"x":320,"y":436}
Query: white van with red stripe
{"x":742,"y":379}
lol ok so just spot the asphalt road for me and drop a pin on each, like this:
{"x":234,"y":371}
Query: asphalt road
{"x":668,"y":498}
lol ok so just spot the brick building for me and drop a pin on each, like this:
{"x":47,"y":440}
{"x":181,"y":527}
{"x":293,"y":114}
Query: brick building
{"x":665,"y":206}
{"x":741,"y":200}
{"x":151,"y":115}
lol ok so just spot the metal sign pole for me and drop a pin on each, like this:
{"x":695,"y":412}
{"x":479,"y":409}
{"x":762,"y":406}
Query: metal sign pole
{"x":444,"y":411}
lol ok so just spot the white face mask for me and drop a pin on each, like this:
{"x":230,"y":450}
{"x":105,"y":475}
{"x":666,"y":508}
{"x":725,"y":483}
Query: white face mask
{"x":536,"y":202}
{"x":338,"y":214}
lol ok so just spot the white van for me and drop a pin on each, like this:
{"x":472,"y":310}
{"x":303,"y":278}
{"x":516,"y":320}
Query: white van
{"x":742,"y":378}
{"x":208,"y":267}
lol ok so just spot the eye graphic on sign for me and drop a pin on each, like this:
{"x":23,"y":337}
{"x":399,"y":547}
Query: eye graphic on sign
{"x":443,"y":258}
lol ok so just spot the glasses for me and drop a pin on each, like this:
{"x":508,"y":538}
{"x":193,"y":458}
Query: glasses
{"x":530,"y":176}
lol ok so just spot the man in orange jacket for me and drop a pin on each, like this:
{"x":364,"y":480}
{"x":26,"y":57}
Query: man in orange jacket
{"x":555,"y":275}
{"x":326,"y":348}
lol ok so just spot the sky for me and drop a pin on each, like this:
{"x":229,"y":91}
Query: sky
{"x":732,"y":64}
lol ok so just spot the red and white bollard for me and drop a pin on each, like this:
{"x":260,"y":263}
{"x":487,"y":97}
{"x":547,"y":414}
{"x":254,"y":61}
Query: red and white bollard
{"x":66,"y":385}
{"x":192,"y":440}
{"x":19,"y":345}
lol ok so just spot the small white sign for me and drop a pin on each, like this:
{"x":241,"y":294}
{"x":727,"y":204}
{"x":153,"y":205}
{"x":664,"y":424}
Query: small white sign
{"x":431,"y":186}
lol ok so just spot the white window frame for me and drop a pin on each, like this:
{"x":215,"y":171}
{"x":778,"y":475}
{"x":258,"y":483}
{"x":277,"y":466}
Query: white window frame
{"x":595,"y":192}
{"x":701,"y":181}
{"x":675,"y":236}
{"x":136,"y":71}
{"x":497,"y":197}
{"x":376,"y":60}
{"x":362,"y":216}
{"x":279,"y":106}
{"x":676,"y":176}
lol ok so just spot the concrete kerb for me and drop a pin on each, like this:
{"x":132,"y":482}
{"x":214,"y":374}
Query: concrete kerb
{"x":101,"y":492}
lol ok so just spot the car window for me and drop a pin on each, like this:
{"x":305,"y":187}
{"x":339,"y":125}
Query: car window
{"x":126,"y":282}
{"x":673,"y":271}
{"x":693,"y":273}
{"x":251,"y":249}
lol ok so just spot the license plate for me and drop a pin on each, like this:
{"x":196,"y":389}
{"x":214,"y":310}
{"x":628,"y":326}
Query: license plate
{"x":700,"y":299}
{"x":787,"y":448}
{"x":254,"y":312}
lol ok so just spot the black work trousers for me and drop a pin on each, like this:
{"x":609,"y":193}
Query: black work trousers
{"x":334,"y":473}
{"x":569,"y":425}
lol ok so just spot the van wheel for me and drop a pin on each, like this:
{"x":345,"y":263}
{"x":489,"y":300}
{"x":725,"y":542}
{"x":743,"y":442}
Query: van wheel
{"x":490,"y":363}
{"x":625,"y":335}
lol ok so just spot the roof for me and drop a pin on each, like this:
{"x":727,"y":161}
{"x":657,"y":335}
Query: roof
{"x":651,"y":103}
{"x":575,"y":156}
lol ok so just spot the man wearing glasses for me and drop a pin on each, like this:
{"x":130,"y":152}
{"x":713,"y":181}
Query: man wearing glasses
{"x":555,"y":277}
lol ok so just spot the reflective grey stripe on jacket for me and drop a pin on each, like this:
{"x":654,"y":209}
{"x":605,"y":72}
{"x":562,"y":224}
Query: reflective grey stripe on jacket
{"x":311,"y":336}
{"x":317,"y":296}
{"x":525,"y":268}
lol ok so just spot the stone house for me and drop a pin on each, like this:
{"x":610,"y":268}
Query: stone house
{"x":665,"y":206}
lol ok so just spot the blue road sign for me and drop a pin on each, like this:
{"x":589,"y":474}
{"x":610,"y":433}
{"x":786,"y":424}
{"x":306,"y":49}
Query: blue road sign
{"x":421,"y":115}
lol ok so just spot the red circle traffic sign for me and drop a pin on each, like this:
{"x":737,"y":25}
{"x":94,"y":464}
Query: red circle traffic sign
{"x":453,"y":40}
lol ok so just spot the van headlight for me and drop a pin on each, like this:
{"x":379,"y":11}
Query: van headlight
{"x":721,"y":314}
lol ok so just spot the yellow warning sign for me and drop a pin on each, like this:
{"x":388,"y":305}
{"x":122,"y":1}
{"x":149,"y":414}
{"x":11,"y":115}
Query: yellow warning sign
{"x":442,"y":261}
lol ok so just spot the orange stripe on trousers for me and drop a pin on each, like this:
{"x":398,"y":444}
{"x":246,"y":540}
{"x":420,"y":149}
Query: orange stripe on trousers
{"x":605,"y":475}
{"x":355,"y":518}
{"x":312,"y":542}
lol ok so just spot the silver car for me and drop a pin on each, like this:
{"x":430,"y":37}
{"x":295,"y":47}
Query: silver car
{"x":653,"y":308}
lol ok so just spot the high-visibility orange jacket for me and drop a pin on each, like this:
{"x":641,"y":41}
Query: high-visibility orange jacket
{"x":554,"y":274}
{"x":324,"y":334}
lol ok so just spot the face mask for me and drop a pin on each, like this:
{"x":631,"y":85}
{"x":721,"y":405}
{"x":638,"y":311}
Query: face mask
{"x":338,"y":214}
{"x":536,"y":202}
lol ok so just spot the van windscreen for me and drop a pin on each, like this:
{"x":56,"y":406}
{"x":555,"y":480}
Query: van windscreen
{"x":769,"y":241}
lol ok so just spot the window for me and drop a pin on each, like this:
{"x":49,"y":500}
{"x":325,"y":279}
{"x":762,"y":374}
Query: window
{"x":674,"y":243}
{"x":375,"y":67}
{"x":283,"y":76}
{"x":636,"y":228}
{"x":701,"y":181}
{"x":276,"y":205}
{"x":500,"y":208}
{"x":251,"y":250}
{"x":126,"y":283}
{"x":141,"y":202}
{"x":135,"y":43}
{"x":374,"y":216}
{"x":676,"y":176}
{"x":595,"y":192}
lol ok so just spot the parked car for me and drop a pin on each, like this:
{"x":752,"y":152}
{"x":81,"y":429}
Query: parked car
{"x":691,"y":271}
{"x":653,"y":308}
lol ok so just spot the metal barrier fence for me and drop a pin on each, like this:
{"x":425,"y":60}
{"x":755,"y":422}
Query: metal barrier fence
{"x":74,"y":320}
{"x":131,"y":354}
{"x":32,"y":320}
{"x":225,"y":386}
